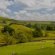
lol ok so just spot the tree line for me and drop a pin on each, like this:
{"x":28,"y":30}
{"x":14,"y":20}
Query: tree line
{"x":12,"y":36}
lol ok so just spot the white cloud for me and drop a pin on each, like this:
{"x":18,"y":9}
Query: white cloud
{"x":3,"y":7}
{"x":38,"y":3}
{"x":3,"y":14}
{"x":32,"y":5}
{"x":4,"y":4}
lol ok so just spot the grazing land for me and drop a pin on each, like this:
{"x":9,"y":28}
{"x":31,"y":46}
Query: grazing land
{"x":46,"y":47}
{"x":19,"y":37}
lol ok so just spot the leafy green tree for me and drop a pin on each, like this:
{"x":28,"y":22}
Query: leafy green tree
{"x":28,"y":25}
{"x":8,"y":30}
{"x":39,"y":32}
{"x":22,"y":38}
{"x":49,"y":27}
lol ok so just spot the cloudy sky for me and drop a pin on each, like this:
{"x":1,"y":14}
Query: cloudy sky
{"x":40,"y":10}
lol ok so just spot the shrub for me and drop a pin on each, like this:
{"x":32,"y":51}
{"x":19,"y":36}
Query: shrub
{"x":8,"y":40}
{"x":22,"y":38}
{"x":39,"y":31}
{"x":28,"y":25}
{"x":8,"y":30}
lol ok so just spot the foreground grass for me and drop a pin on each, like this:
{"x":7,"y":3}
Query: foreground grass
{"x":31,"y":48}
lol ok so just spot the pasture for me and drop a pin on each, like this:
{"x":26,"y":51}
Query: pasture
{"x":19,"y":37}
{"x":46,"y":47}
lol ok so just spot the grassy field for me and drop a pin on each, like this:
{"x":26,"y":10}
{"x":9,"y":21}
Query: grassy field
{"x":46,"y":47}
{"x":24,"y":33}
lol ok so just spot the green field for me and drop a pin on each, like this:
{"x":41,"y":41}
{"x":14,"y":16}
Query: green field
{"x":46,"y":47}
{"x":26,"y":37}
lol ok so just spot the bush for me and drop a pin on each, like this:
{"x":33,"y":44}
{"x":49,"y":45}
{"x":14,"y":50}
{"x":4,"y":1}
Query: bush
{"x":8,"y":40}
{"x":39,"y":31}
{"x":28,"y":25}
{"x":22,"y":38}
{"x":7,"y":30}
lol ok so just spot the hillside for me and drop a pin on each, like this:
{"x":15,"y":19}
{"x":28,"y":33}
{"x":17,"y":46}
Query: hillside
{"x":18,"y":37}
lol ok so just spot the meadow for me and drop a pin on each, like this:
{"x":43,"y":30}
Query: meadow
{"x":46,"y":47}
{"x":19,"y":37}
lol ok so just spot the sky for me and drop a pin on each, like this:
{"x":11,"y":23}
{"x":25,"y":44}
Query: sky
{"x":37,"y":10}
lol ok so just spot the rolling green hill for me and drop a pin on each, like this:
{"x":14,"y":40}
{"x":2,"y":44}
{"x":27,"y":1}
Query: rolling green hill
{"x":18,"y":37}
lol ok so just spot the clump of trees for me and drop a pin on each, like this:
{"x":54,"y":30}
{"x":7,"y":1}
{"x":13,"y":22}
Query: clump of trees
{"x":29,"y":25}
{"x":39,"y":31}
{"x":14,"y":34}
{"x":50,"y":27}
{"x":22,"y":38}
{"x":8,"y":30}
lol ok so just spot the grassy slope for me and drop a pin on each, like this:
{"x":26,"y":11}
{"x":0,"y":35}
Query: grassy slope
{"x":32,"y":48}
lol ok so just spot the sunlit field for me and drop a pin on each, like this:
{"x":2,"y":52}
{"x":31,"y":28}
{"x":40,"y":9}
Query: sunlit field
{"x":46,"y":47}
{"x":26,"y":37}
